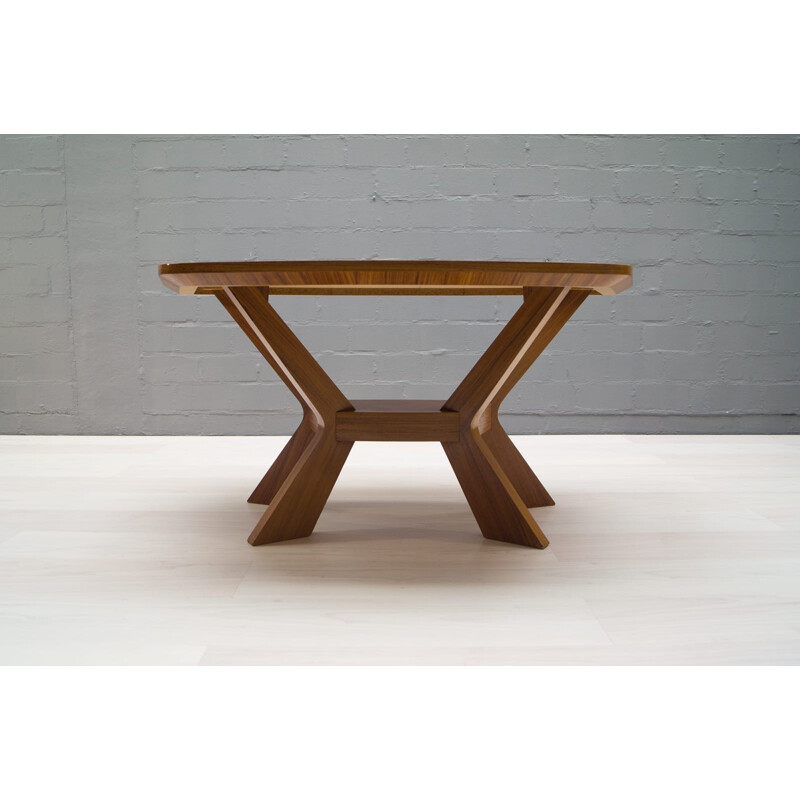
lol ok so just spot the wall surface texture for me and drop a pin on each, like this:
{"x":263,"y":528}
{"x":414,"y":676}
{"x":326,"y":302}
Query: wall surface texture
{"x":706,"y":341}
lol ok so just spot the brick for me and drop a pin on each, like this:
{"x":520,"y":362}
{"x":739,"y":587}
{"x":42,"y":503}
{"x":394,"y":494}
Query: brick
{"x":36,"y":339}
{"x":15,"y":152}
{"x":751,"y":152}
{"x":219,"y":184}
{"x":47,"y":308}
{"x":766,"y":398}
{"x":667,"y":397}
{"x":606,"y":396}
{"x":559,"y":214}
{"x":406,"y":244}
{"x":360,"y":367}
{"x":326,"y":151}
{"x":375,"y":151}
{"x":766,"y":309}
{"x":705,"y":277}
{"x":150,"y":155}
{"x":440,"y":151}
{"x":621,"y":216}
{"x":529,"y":182}
{"x":779,"y":186}
{"x":194,"y":153}
{"x":164,"y":247}
{"x":748,"y":217}
{"x":789,"y":155}
{"x":723,"y":248}
{"x":54,"y":220}
{"x":782,"y":249}
{"x":645,"y":184}
{"x":336,"y":338}
{"x":684,"y":216}
{"x":587,"y":246}
{"x":526,"y":245}
{"x":690,"y":367}
{"x":788,"y":217}
{"x":412,"y":182}
{"x":741,"y":338}
{"x":47,"y":152}
{"x":20,"y":220}
{"x":787,"y":279}
{"x":687,"y":185}
{"x":312,"y":213}
{"x":288,"y":244}
{"x":467,"y":245}
{"x":235,"y":367}
{"x":642,"y":248}
{"x":585,"y":182}
{"x":41,"y":397}
{"x":691,"y":153}
{"x":719,"y":308}
{"x":503,"y":214}
{"x":226,"y":246}
{"x":166,"y":184}
{"x":312,"y":244}
{"x":42,"y":251}
{"x":764,"y":368}
{"x":168,"y":368}
{"x":466,"y":182}
{"x":31,"y":188}
{"x":564,"y":151}
{"x":336,"y":183}
{"x":654,"y":307}
{"x":670,"y":337}
{"x":430,"y":214}
{"x":497,"y":151}
{"x":158,"y":338}
{"x":624,"y":151}
{"x":41,"y":366}
{"x":469,"y":337}
{"x":727,"y":186}
{"x":255,"y":152}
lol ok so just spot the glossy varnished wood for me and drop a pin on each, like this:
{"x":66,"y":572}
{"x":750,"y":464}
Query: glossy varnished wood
{"x":498,"y":484}
{"x":395,"y":277}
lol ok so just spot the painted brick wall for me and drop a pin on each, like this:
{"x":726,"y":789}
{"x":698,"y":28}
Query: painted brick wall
{"x":38,"y":391}
{"x":707,"y":341}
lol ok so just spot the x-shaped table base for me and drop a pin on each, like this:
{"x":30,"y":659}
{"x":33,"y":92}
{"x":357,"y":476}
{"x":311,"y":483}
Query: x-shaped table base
{"x":499,"y":485}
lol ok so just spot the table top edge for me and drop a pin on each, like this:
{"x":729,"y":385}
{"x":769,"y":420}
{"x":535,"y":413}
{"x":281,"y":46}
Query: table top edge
{"x":363,"y":265}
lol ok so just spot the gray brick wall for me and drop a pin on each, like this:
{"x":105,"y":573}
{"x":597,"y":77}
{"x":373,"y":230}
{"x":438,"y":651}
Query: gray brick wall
{"x":38,"y":391}
{"x":707,"y":341}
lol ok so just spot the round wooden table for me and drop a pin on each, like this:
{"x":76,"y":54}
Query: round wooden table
{"x":499,"y":485}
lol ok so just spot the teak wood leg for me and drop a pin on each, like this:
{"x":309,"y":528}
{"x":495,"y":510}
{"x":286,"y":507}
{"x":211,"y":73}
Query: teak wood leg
{"x":513,"y":463}
{"x":299,"y":482}
{"x":285,"y":462}
{"x":498,"y":483}
{"x":496,"y":480}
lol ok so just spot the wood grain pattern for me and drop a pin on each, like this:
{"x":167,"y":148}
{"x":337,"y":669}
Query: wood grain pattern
{"x":395,"y":277}
{"x":496,"y":480}
{"x":310,"y":468}
{"x":280,"y":470}
{"x":397,"y":421}
{"x":497,"y":483}
{"x":522,"y":477}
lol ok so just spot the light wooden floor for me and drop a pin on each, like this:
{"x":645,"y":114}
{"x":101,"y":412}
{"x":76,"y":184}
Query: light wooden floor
{"x":664,"y":550}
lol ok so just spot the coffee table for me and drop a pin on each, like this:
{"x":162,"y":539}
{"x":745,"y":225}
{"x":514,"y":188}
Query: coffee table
{"x":499,"y":485}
